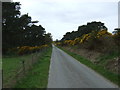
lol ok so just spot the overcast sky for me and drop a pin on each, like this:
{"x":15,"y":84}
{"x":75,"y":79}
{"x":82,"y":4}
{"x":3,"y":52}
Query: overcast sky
{"x":61,"y":16}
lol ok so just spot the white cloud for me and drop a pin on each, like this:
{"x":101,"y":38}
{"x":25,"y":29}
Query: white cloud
{"x":59,"y":17}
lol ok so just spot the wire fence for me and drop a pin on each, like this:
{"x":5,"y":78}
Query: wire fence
{"x":24,"y":67}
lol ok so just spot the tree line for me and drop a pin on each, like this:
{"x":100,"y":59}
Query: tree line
{"x":92,"y":36}
{"x":19,"y":30}
{"x":84,"y":29}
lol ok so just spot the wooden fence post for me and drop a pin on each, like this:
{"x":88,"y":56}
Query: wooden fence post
{"x":23,"y":62}
{"x":32,"y":60}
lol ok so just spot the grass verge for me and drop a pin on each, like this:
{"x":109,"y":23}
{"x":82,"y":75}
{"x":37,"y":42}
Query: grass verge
{"x":103,"y":59}
{"x":11,"y":65}
{"x":101,"y":70}
{"x":0,"y":63}
{"x":37,"y":77}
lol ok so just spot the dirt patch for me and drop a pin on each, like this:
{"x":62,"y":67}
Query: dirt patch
{"x":114,"y":65}
{"x":91,"y":55}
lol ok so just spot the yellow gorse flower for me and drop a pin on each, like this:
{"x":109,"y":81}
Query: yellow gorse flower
{"x":28,"y":49}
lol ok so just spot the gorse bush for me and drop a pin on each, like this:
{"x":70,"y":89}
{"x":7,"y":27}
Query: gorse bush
{"x":23,"y":50}
{"x":26,"y":49}
{"x":101,"y":41}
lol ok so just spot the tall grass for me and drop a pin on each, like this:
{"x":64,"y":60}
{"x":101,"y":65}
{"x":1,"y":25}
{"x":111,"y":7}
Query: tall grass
{"x":37,"y":77}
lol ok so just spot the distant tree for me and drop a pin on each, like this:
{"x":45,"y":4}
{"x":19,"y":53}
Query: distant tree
{"x":66,"y":36}
{"x":56,"y":40}
{"x":48,"y":38}
{"x":84,"y":29}
{"x":93,"y":26}
{"x":116,"y":31}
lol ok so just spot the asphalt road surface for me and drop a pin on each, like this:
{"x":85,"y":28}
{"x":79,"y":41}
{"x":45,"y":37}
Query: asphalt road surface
{"x":66,"y":72}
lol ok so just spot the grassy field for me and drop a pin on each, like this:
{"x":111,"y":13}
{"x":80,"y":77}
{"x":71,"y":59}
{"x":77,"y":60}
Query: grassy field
{"x":0,"y":63}
{"x":37,"y":77}
{"x":109,"y":75}
{"x":11,"y":65}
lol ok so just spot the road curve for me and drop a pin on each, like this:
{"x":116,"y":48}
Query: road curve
{"x":66,"y":72}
